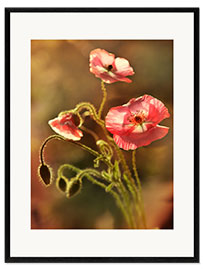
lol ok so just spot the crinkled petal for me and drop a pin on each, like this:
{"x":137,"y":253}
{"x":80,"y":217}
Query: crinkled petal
{"x":111,"y":77}
{"x":106,"y":77}
{"x":157,"y":110}
{"x":100,"y":60}
{"x":123,"y":67}
{"x":122,"y":78}
{"x":101,"y":57}
{"x":153,"y":108}
{"x":132,"y":141}
{"x":138,"y":104}
{"x":117,"y":120}
{"x":68,"y":130}
{"x":96,"y":67}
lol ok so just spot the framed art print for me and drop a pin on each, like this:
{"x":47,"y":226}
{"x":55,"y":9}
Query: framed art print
{"x":102,"y":134}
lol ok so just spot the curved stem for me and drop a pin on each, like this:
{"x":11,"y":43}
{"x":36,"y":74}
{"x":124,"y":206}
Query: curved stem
{"x":91,"y":109}
{"x":87,"y":148}
{"x":58,"y":137}
{"x":127,"y":216}
{"x":124,"y":165}
{"x":116,"y":197}
{"x":103,"y":100}
{"x":123,"y":161}
{"x":94,"y":135}
{"x":44,"y":144}
{"x":87,"y":173}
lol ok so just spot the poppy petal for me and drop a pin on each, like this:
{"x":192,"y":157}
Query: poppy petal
{"x":104,"y":66}
{"x":117,"y":120}
{"x":123,"y":67}
{"x":134,"y":140}
{"x":64,"y":126}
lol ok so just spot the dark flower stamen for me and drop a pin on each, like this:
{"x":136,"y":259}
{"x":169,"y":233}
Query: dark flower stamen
{"x":138,"y":119}
{"x":109,"y":68}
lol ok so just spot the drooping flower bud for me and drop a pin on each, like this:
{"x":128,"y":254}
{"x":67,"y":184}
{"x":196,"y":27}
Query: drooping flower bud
{"x":65,"y":126}
{"x":45,"y":174}
{"x":62,"y":183}
{"x":74,"y":188}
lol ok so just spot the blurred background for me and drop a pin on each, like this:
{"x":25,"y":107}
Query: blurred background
{"x":60,"y":79}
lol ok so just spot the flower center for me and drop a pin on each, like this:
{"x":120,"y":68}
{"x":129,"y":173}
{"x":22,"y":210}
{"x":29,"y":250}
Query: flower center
{"x":137,"y":119}
{"x":109,"y":68}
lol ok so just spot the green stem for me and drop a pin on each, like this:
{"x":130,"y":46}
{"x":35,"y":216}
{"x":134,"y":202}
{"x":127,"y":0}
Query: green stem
{"x":135,"y":170}
{"x":126,"y":212}
{"x":126,"y":199}
{"x":88,"y":106}
{"x":139,"y":188}
{"x":91,"y":132}
{"x":117,"y":199}
{"x":87,"y":173}
{"x":120,"y":156}
{"x":125,"y":166}
{"x":103,"y":100}
{"x":86,"y":148}
{"x":130,"y":182}
{"x":44,"y":144}
{"x":58,"y":137}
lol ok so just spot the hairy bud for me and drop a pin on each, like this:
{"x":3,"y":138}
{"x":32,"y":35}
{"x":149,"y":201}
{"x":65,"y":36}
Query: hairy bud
{"x":62,"y":183}
{"x":45,"y":174}
{"x":74,"y":188}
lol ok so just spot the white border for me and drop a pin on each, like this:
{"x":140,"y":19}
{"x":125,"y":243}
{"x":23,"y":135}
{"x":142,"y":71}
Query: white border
{"x":177,"y":242}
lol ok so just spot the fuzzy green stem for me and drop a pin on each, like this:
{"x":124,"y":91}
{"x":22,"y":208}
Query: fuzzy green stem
{"x":87,"y":148}
{"x":126,"y":199}
{"x":87,"y":173}
{"x":103,"y":99}
{"x":58,"y":137}
{"x":44,"y":144}
{"x":129,"y":181}
{"x":116,"y":197}
{"x":135,"y":170}
{"x":88,"y":106}
{"x":92,"y":133}
{"x":124,"y":165}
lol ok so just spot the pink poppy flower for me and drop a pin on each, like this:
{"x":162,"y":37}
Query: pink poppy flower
{"x":66,"y":126}
{"x":135,"y":124}
{"x":105,"y":66}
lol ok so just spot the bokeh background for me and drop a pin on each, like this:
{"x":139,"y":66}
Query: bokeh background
{"x":60,"y":79}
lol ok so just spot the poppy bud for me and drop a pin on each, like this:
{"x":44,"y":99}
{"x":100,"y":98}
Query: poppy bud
{"x":62,"y":183}
{"x":74,"y":188}
{"x":45,"y":174}
{"x":66,"y":125}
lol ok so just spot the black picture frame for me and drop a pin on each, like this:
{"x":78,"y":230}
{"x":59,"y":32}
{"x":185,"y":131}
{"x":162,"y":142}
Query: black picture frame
{"x":8,"y":257}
